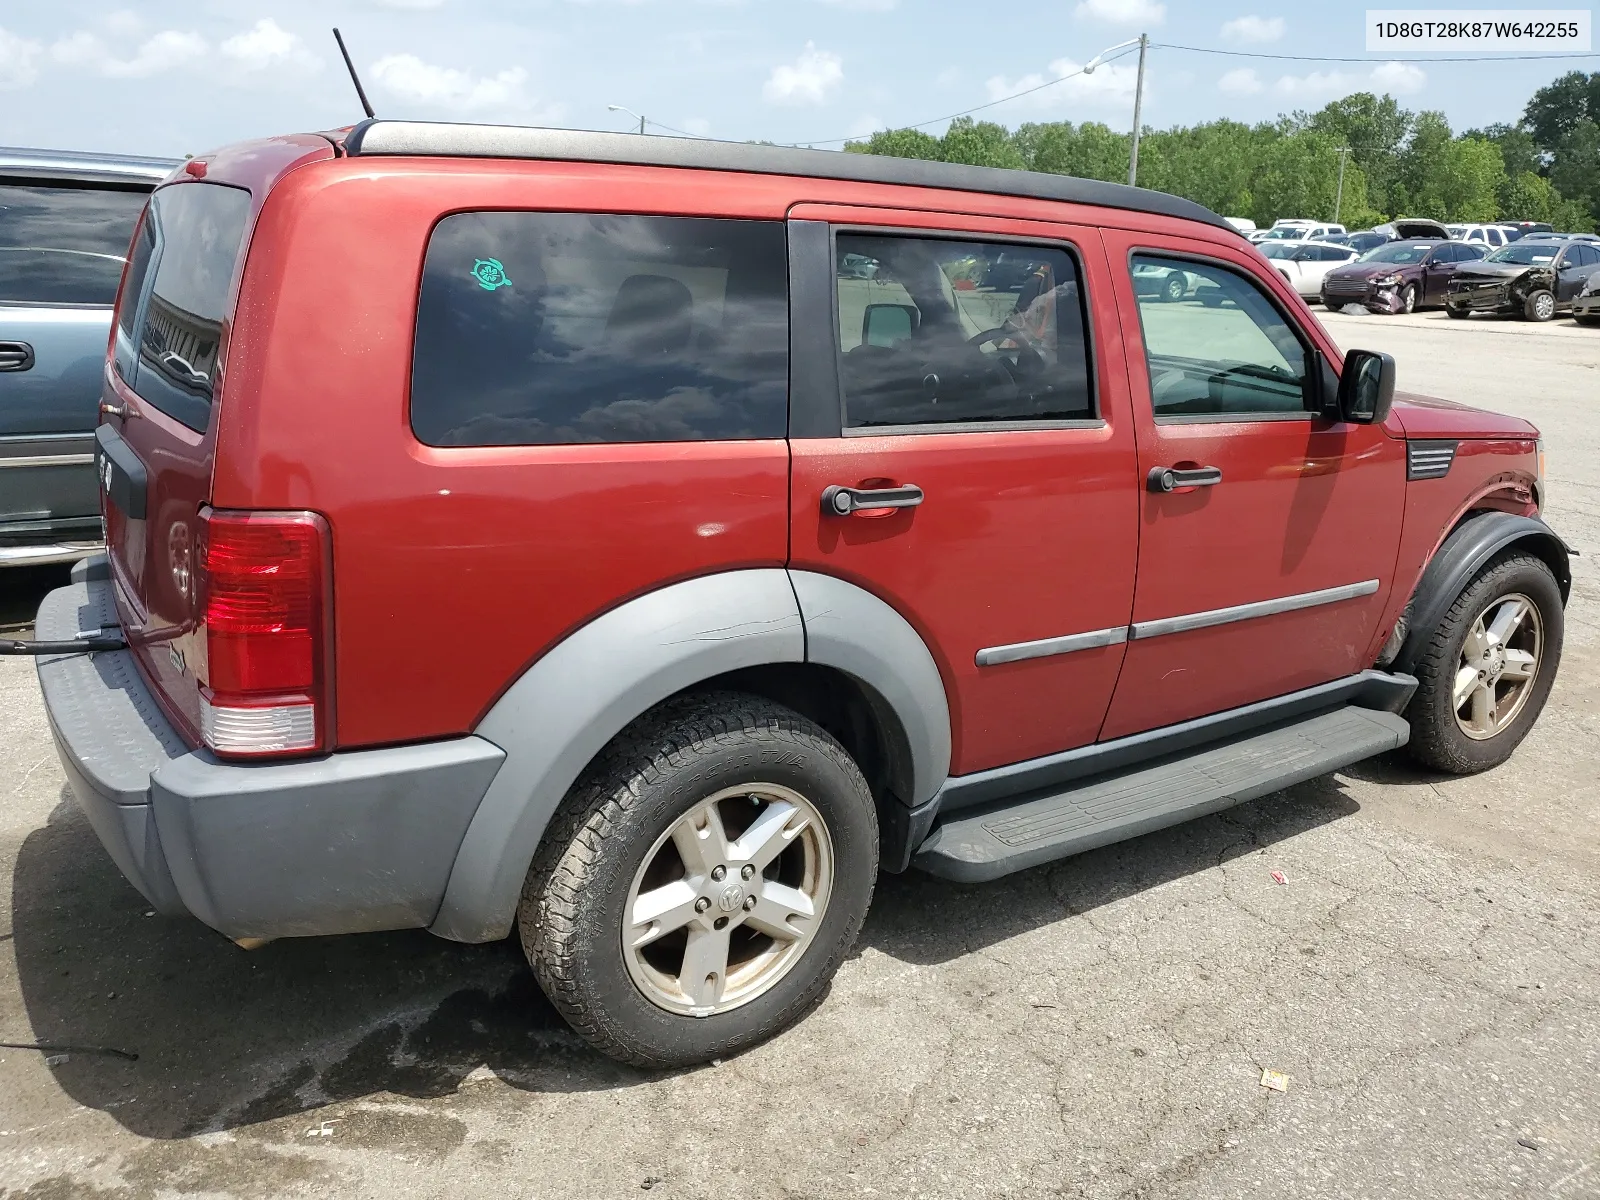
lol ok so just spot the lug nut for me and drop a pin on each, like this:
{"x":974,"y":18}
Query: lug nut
{"x":747,"y":870}
{"x":718,"y":873}
{"x":702,"y":904}
{"x":749,"y":903}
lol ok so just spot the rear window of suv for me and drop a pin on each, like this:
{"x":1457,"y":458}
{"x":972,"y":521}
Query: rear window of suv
{"x":187,"y":250}
{"x":555,"y":328}
{"x":64,"y":245}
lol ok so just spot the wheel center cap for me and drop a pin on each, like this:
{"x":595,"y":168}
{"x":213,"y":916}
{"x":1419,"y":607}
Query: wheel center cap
{"x":731,"y":898}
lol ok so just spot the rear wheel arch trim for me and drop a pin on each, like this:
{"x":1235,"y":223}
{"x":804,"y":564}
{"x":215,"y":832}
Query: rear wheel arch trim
{"x":564,"y":708}
{"x":1460,"y":557}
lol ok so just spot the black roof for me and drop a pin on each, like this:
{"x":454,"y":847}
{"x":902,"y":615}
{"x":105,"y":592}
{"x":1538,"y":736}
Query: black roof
{"x":432,"y":138}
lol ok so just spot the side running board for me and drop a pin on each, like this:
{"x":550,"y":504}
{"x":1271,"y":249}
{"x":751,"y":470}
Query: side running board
{"x":1025,"y":832}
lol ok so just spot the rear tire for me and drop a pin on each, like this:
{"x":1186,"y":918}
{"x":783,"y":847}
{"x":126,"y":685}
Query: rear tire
{"x":1460,"y":663}
{"x":1174,"y":289}
{"x":722,"y":774}
{"x":1539,"y":306}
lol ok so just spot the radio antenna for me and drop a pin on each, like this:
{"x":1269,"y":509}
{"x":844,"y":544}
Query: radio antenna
{"x":361,"y":92}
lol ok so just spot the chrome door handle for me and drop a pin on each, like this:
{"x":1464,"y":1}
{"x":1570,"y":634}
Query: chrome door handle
{"x":1166,"y":479}
{"x":118,"y":410}
{"x":840,"y":501}
{"x":15,"y":356}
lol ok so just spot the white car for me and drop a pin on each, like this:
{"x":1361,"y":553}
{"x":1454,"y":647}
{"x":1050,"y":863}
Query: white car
{"x":1296,"y":231}
{"x":1304,"y":264}
{"x":1491,"y":237}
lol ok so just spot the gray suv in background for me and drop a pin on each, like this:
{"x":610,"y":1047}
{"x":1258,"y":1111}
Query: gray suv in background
{"x":66,"y":220}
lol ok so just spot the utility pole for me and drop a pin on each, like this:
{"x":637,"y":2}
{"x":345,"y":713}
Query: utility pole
{"x":629,"y":111}
{"x":1338,"y":196}
{"x":1138,"y":103}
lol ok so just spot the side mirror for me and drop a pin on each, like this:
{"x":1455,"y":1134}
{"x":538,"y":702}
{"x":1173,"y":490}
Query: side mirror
{"x":1366,"y":387}
{"x":888,"y":324}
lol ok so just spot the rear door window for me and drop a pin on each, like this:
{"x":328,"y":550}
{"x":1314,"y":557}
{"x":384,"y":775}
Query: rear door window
{"x":947,"y":333}
{"x":64,"y":245}
{"x":198,"y":231}
{"x":555,"y":328}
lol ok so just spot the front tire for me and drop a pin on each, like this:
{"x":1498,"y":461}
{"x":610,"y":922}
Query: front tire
{"x":702,"y":882}
{"x":1486,"y":673}
{"x":1408,"y":298}
{"x":1585,"y":320}
{"x":1459,"y":314}
{"x":1174,"y":289}
{"x":1539,"y":306}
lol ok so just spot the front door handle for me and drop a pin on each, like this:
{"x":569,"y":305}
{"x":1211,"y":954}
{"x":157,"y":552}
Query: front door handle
{"x":840,"y":501}
{"x":1167,"y":479}
{"x":15,"y":356}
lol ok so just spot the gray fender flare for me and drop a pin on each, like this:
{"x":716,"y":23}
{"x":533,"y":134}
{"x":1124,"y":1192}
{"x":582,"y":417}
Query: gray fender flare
{"x":849,"y":628}
{"x":570,"y":703}
{"x":580,"y":695}
{"x":1463,"y":554}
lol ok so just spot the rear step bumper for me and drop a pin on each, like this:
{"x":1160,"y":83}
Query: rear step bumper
{"x":347,"y":843}
{"x":1015,"y":835}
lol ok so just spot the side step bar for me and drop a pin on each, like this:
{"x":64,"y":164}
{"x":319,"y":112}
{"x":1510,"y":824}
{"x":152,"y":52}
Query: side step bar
{"x":1023,"y":833}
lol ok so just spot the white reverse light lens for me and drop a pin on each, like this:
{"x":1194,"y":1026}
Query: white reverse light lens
{"x":272,"y":730}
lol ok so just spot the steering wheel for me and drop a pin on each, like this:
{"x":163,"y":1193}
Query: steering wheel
{"x":1024,"y":341}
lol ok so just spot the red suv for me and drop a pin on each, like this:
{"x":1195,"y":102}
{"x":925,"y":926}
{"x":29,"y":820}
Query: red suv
{"x":639,"y":543}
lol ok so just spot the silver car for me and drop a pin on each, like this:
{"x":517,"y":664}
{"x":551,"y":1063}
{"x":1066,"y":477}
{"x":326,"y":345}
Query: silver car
{"x":66,"y":220}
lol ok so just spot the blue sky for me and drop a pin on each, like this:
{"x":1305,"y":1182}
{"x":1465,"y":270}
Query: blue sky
{"x":169,"y":77}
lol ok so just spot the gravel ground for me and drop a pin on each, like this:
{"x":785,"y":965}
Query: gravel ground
{"x":1427,"y":980}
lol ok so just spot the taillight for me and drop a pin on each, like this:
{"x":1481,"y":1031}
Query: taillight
{"x":267,"y":610}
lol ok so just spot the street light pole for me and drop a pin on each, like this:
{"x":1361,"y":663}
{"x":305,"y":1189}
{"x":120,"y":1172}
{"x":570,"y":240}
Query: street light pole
{"x":1338,"y":196}
{"x":629,"y":111}
{"x":1143,"y":42}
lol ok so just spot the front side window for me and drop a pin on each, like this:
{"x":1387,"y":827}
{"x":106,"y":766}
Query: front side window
{"x":64,"y":245}
{"x":556,"y":328}
{"x":1235,"y":356}
{"x":949,"y":332}
{"x":199,"y":232}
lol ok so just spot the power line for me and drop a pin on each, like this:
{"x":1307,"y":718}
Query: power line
{"x":1372,"y":59}
{"x":979,"y":108}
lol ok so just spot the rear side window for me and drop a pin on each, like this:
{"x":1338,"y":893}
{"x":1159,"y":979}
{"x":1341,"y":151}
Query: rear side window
{"x":198,"y":230}
{"x":64,"y":245}
{"x":557,"y":328}
{"x":948,"y":333}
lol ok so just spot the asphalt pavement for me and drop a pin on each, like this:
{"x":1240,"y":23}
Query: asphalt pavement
{"x":1425,"y":976}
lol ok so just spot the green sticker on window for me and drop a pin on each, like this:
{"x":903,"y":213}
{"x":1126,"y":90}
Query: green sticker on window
{"x":490,"y":274}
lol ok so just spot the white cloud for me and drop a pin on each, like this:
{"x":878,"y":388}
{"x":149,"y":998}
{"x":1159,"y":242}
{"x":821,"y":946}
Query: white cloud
{"x":409,"y":78}
{"x":807,"y":80}
{"x":266,"y":44}
{"x":1122,"y":12}
{"x":18,"y":59}
{"x":1398,"y":77}
{"x":161,"y":52}
{"x":1112,"y":84}
{"x":1242,"y":82}
{"x":1253,"y":29}
{"x":1395,"y":77}
{"x":865,"y":126}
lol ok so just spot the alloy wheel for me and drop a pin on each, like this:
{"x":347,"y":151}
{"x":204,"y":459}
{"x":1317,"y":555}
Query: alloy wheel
{"x":1498,"y":663}
{"x":727,"y":900}
{"x":1408,"y":299}
{"x":1544,"y":306}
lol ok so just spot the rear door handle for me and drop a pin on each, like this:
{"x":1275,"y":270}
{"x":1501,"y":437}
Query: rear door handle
{"x":1166,"y":479}
{"x":15,"y":356}
{"x":840,"y":501}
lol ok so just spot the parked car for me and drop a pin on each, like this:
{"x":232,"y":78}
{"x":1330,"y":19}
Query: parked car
{"x":65,"y":223}
{"x":1306,"y":264}
{"x":1242,"y":224}
{"x":1361,"y":241}
{"x":1533,"y":278}
{"x":1412,"y":229}
{"x":715,"y":654}
{"x":1296,"y":231}
{"x":1492,"y":237}
{"x":1523,"y":228}
{"x":1586,"y":307}
{"x":1415,"y":272}
{"x":1162,"y":282}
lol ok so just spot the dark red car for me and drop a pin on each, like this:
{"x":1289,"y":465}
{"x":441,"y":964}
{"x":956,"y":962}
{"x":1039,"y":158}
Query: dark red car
{"x":638,"y":543}
{"x":1415,"y":272}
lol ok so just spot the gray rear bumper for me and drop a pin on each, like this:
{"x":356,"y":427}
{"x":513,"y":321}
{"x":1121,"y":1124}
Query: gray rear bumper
{"x":355,"y":841}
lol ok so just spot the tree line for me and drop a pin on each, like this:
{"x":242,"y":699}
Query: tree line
{"x":1544,"y":167}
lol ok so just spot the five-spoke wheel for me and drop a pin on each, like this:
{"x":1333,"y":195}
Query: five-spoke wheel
{"x":1499,"y":660}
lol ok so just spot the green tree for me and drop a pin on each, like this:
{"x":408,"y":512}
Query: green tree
{"x":1555,"y":109}
{"x":1575,"y":172}
{"x":899,"y":143}
{"x":980,"y":144}
{"x":1375,"y":128}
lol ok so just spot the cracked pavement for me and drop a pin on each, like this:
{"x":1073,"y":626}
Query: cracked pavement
{"x":1427,"y":977}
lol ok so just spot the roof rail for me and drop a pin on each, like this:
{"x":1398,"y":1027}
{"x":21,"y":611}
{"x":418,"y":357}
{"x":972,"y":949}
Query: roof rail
{"x":27,"y":163}
{"x":451,"y":140}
